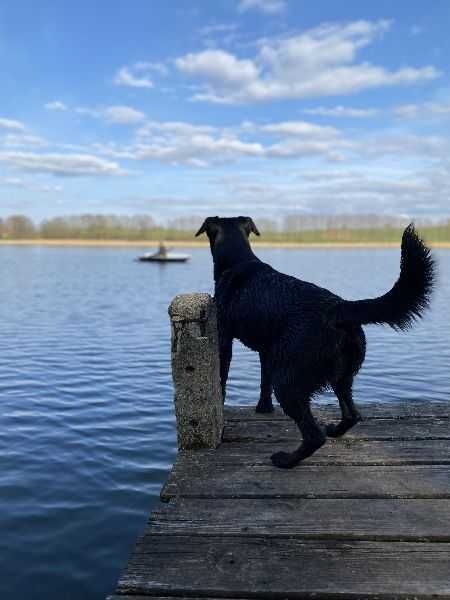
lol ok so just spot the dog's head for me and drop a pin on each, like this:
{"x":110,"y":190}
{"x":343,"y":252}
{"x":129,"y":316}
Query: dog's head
{"x":218,"y":229}
{"x":228,"y":238}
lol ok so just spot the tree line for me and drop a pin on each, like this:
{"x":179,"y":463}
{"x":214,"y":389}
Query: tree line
{"x":294,"y":228}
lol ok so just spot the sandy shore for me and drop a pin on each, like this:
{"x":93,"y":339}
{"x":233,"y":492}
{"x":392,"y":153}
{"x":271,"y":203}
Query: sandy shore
{"x":195,"y":244}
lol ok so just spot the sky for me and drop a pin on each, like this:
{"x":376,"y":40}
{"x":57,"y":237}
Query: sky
{"x":205,"y":107}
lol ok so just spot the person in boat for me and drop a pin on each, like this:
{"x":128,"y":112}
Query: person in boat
{"x":162,"y":249}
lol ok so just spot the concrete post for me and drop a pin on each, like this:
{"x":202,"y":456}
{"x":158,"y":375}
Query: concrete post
{"x":195,"y":370}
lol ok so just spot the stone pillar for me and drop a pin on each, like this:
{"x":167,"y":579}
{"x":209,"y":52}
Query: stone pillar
{"x":196,"y":372}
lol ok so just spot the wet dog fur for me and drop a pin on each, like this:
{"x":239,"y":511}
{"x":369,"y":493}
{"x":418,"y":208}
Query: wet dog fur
{"x":307,"y":338}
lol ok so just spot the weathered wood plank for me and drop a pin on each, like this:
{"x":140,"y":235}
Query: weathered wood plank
{"x":354,"y":521}
{"x":344,"y":451}
{"x":374,"y":429}
{"x":286,"y":568}
{"x":392,"y":410}
{"x":264,"y":481}
{"x":363,"y":519}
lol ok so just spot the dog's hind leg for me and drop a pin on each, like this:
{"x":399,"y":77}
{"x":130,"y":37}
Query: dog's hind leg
{"x":265,"y":399}
{"x":350,"y":414}
{"x":313,"y":434}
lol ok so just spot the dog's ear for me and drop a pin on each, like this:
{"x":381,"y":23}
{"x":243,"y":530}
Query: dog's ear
{"x":206,"y":226}
{"x":203,"y":228}
{"x":250,"y":226}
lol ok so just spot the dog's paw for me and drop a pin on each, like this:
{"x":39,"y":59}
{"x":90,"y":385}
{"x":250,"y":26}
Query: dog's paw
{"x":264,"y":408}
{"x":333,"y":430}
{"x":342,"y":427}
{"x":285,"y":460}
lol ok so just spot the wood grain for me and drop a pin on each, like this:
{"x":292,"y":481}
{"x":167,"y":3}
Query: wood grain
{"x":374,"y":429}
{"x":363,"y":519}
{"x":306,"y":481}
{"x":366,"y":517}
{"x":286,"y":568}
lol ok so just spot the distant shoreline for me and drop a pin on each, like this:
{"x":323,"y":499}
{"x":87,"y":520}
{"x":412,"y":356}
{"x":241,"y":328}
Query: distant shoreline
{"x":197,"y":244}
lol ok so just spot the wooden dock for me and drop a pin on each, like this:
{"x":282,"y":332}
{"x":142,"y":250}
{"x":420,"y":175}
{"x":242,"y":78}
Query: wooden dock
{"x":368,"y":516}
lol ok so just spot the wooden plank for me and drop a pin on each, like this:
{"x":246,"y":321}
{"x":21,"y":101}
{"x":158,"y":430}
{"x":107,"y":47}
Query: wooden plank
{"x":345,"y":451}
{"x":286,"y":568}
{"x":362,"y":519}
{"x":263,"y":481}
{"x":375,"y":429}
{"x":393,"y":410}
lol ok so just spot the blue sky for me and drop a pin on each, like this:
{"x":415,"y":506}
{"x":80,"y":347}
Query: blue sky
{"x":265,"y":107}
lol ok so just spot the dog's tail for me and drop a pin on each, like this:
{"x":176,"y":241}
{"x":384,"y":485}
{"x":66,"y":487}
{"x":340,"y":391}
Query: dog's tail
{"x":409,"y":297}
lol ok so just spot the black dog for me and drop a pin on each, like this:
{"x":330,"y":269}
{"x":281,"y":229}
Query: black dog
{"x":307,"y":337}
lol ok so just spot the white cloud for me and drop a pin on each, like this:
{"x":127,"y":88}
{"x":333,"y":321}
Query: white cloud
{"x":220,"y":66}
{"x":61,"y":164}
{"x":173,"y":142}
{"x":16,"y":140}
{"x":29,"y":185}
{"x":180,"y":128}
{"x":403,"y":145}
{"x":342,"y":111}
{"x":300,"y":128}
{"x":270,"y":7}
{"x":56,"y":105}
{"x":138,"y":75}
{"x":114,"y":150}
{"x":425,"y":110}
{"x":197,"y":145}
{"x":305,"y":149}
{"x":368,"y":191}
{"x":318,"y":62}
{"x":126,"y":77}
{"x":274,"y":152}
{"x":12,"y":125}
{"x":123,"y":115}
{"x":198,"y":150}
{"x":14,"y":134}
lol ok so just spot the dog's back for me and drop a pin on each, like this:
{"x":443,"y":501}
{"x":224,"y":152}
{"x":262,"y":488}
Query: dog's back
{"x":292,"y":320}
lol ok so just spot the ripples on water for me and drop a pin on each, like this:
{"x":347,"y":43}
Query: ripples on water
{"x":86,"y":424}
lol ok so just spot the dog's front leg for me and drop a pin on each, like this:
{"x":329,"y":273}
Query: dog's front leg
{"x":225,"y":354}
{"x":265,"y":399}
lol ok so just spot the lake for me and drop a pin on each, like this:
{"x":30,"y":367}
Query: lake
{"x":87,"y":431}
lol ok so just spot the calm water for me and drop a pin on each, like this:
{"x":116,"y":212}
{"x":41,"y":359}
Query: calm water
{"x":86,"y":423}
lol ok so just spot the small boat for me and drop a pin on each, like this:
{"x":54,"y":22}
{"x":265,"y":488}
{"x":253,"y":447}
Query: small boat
{"x":163,"y":255}
{"x":169,"y":257}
